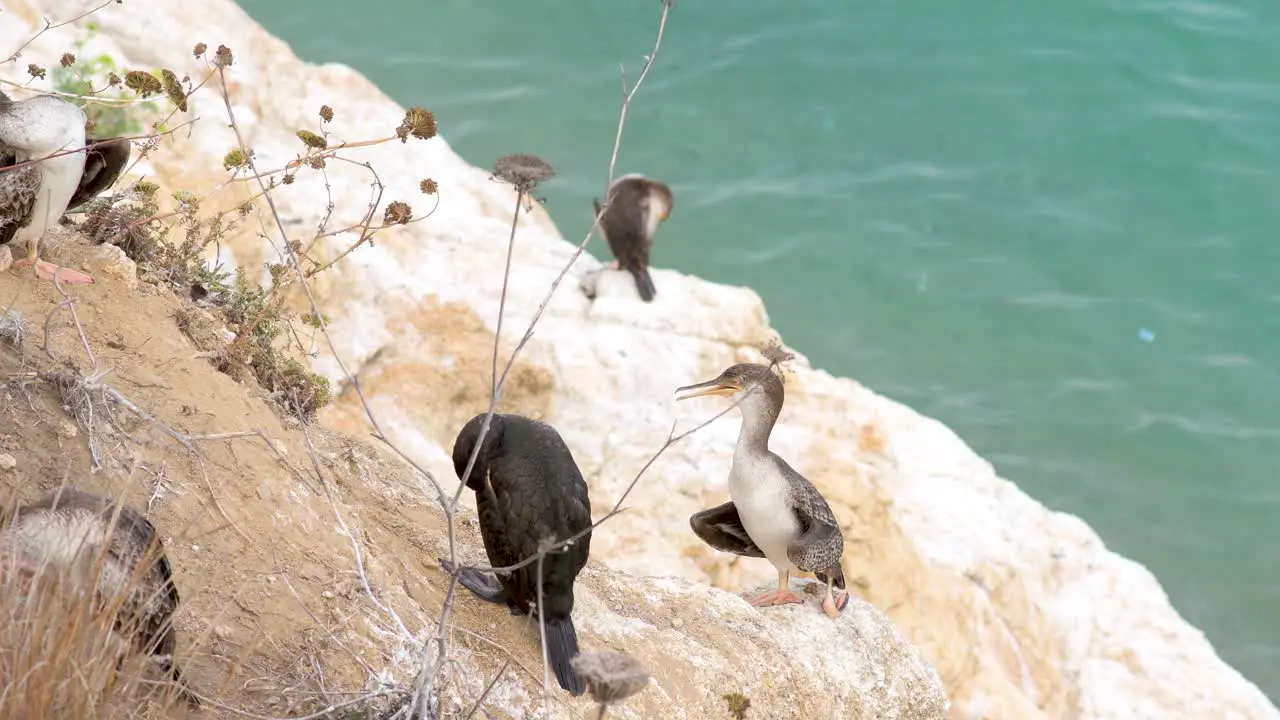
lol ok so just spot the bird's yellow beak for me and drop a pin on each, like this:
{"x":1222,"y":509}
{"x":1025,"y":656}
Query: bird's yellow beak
{"x":711,"y":387}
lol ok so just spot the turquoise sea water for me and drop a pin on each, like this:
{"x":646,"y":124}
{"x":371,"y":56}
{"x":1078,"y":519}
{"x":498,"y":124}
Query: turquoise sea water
{"x":1053,"y":226}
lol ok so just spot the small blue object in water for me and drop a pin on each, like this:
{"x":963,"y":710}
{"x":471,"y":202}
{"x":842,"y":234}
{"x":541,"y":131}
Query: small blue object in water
{"x":1146,"y":335}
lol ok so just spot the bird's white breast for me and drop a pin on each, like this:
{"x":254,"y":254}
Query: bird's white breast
{"x":759,"y":492}
{"x":59,"y":177}
{"x":655,"y":208}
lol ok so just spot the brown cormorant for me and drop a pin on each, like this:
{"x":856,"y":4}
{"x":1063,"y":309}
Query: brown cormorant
{"x":637,"y":205}
{"x":65,"y":531}
{"x":774,"y":512}
{"x":33,"y":197}
{"x":528,"y":488}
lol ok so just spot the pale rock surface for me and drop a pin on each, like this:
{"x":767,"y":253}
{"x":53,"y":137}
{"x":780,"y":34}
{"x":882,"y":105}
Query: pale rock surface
{"x":1023,"y":611}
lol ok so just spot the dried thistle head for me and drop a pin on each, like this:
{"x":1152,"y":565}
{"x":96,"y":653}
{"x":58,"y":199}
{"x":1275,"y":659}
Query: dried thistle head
{"x":67,"y":60}
{"x":234,"y":159}
{"x":397,"y":213}
{"x":312,"y":140}
{"x":222,"y":57}
{"x":523,"y":171}
{"x":173,"y":88}
{"x":418,"y":122}
{"x":610,"y":676}
{"x":188,"y":202}
{"x":113,"y":80}
{"x":326,"y":113}
{"x":143,"y":83}
{"x":35,"y":71}
{"x":199,"y":49}
{"x":146,"y":189}
{"x":774,"y":353}
{"x":428,"y":186}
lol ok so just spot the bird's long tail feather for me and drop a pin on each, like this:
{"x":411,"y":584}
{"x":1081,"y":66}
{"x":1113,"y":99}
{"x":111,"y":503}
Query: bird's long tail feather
{"x":644,"y":284}
{"x":562,"y":646}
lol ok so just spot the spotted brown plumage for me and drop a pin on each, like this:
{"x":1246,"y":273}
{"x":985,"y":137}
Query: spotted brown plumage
{"x":528,"y":489}
{"x":637,"y":205}
{"x":774,"y":512}
{"x":67,"y":531}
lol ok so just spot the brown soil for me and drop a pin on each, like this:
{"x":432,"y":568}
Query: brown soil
{"x":273,"y":611}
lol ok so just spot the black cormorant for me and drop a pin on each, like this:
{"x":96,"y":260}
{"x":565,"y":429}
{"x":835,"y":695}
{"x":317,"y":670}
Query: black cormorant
{"x":528,"y":488}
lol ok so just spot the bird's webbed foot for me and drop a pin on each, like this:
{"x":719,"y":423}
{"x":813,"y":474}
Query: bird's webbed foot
{"x":484,"y":585}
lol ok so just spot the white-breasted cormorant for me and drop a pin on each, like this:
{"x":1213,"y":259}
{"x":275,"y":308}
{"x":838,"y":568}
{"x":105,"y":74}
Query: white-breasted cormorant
{"x":637,"y":205}
{"x":528,"y":488}
{"x":33,"y":197}
{"x":774,"y":511}
{"x":65,"y":531}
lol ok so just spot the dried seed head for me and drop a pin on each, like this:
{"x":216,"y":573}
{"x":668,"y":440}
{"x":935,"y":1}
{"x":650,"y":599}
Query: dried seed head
{"x":199,"y":49}
{"x":35,"y":71}
{"x":326,"y":113}
{"x":397,"y":213}
{"x":287,"y":179}
{"x":419,"y":123}
{"x":222,"y":57}
{"x":316,"y":162}
{"x":610,"y":676}
{"x":523,"y":171}
{"x":234,"y":159}
{"x":143,"y":83}
{"x":774,"y":353}
{"x":146,"y":189}
{"x":312,"y":140}
{"x":187,"y":201}
{"x":173,"y":88}
{"x":428,"y":186}
{"x":113,"y":80}
{"x":67,"y":60}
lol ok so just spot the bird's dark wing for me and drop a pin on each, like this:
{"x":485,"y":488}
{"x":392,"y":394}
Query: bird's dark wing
{"x":820,"y":544}
{"x":578,"y":519}
{"x":623,"y":226}
{"x":103,"y":163}
{"x":721,"y":528}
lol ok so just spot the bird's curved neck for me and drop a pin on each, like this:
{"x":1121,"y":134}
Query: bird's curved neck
{"x":758,"y":418}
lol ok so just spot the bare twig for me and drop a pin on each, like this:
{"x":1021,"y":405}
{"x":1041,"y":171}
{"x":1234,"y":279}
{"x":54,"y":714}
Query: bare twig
{"x":475,"y":707}
{"x":86,"y":148}
{"x":542,"y":634}
{"x":50,"y":25}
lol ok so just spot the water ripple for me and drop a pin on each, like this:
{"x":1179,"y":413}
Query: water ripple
{"x":1214,"y":426}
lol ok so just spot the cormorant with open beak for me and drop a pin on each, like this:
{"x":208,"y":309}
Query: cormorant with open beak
{"x":774,"y":512}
